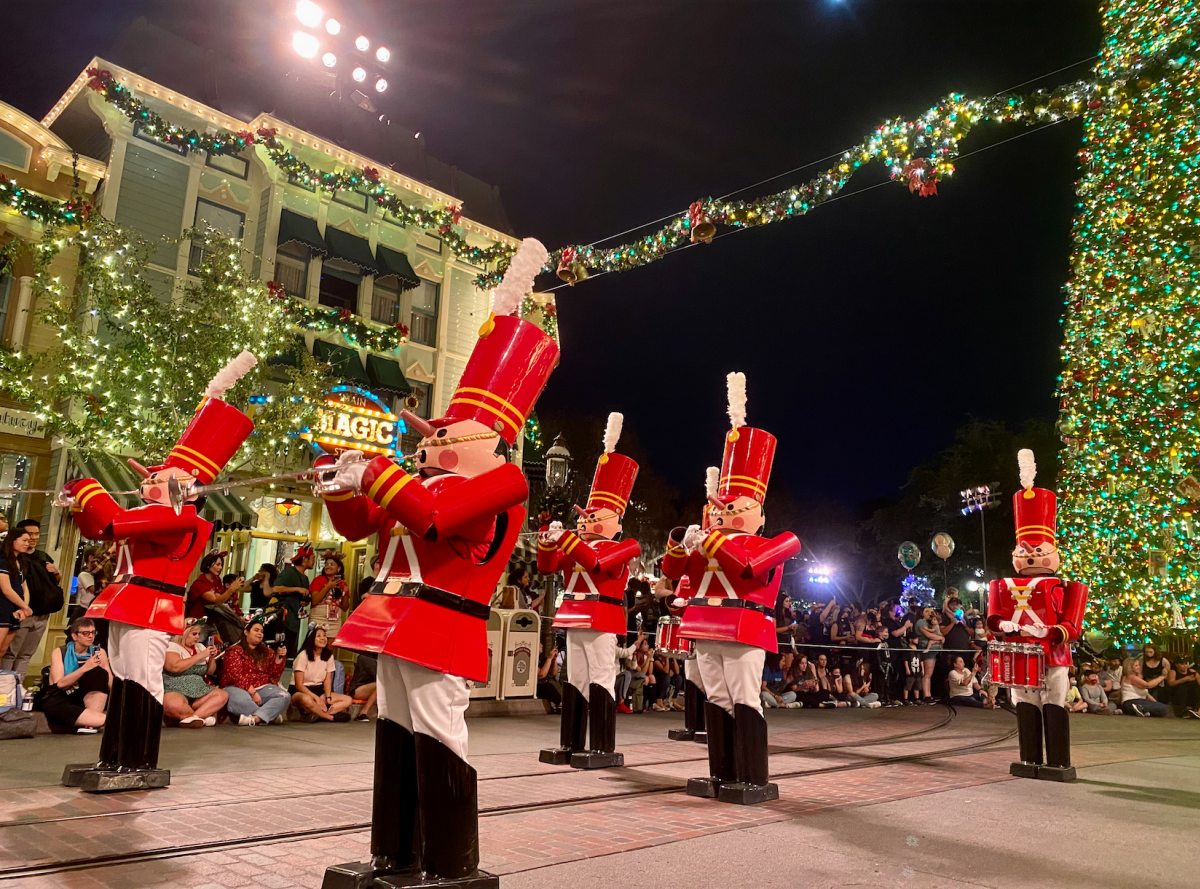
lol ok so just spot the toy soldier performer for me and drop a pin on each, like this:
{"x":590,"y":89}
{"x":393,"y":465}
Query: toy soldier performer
{"x":694,"y":698}
{"x":734,"y":577}
{"x":1037,"y":607}
{"x":445,"y":535}
{"x":160,"y":544}
{"x":596,"y":568}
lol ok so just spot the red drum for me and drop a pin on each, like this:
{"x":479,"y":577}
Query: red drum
{"x":667,"y":641}
{"x":1017,"y":665}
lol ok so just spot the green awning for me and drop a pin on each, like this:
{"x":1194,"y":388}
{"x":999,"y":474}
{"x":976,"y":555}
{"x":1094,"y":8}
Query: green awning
{"x":115,"y":474}
{"x":345,"y":362}
{"x":297,"y":229}
{"x":354,"y":250}
{"x":393,"y":262}
{"x":386,"y":376}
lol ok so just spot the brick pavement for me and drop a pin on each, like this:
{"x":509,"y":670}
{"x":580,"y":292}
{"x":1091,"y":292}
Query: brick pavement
{"x":550,"y":835}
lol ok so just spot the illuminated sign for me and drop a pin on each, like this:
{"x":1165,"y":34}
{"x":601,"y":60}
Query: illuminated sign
{"x":355,"y":419}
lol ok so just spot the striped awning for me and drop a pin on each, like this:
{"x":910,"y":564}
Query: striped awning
{"x":224,"y":510}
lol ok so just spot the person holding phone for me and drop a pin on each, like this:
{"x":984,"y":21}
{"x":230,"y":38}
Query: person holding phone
{"x":79,"y":681}
{"x":188,"y":700}
{"x":251,"y":676}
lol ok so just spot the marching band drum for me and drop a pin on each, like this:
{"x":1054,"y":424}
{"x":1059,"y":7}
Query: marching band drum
{"x":1017,"y":665}
{"x":668,"y":642}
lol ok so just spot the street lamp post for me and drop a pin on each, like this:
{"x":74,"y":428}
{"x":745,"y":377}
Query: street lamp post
{"x":558,"y":475}
{"x":979,"y":499}
{"x":350,"y":60}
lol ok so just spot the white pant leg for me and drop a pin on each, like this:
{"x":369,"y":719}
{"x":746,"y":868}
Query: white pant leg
{"x":425,"y":701}
{"x":137,"y":654}
{"x":743,"y":668}
{"x":691,"y":672}
{"x":578,"y":664}
{"x":709,"y":664}
{"x":1057,"y":684}
{"x":601,"y":652}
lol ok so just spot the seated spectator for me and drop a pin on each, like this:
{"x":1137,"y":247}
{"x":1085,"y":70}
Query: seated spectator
{"x":664,"y":688}
{"x":188,"y":700}
{"x":1135,"y":691}
{"x":1184,"y":684}
{"x":643,"y":669}
{"x":1110,"y":680}
{"x":912,"y":670}
{"x":1155,"y":665}
{"x":829,"y":683}
{"x":860,"y":679}
{"x":1092,"y":693}
{"x":363,"y":686}
{"x":312,"y":680}
{"x":964,"y":687}
{"x":261,"y":584}
{"x":1075,"y":702}
{"x":549,"y":687}
{"x":79,"y":681}
{"x":774,"y":689}
{"x":251,"y":677}
{"x":802,"y":682}
{"x":628,"y":673}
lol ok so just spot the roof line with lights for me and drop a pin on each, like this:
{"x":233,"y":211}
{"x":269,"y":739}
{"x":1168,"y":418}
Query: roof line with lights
{"x":306,"y":139}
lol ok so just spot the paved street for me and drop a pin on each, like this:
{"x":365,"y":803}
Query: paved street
{"x":917,"y":796}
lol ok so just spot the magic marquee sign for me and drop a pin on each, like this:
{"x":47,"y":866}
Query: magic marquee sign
{"x":355,"y":419}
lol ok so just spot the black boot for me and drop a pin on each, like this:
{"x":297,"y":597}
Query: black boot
{"x":1029,"y":737}
{"x":753,"y":783}
{"x":1058,"y":745}
{"x":572,"y":732}
{"x":721,"y":764}
{"x":603,"y":713}
{"x":139,"y":729}
{"x":109,"y":740}
{"x":693,"y":715}
{"x":448,"y":823}
{"x":393,"y":813}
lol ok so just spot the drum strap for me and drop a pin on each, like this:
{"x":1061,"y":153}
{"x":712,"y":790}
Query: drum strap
{"x":151,"y":584}
{"x":578,"y":572}
{"x":714,"y":570}
{"x":734,"y":603}
{"x":399,"y":537}
{"x":597,"y":597}
{"x":1021,"y":596}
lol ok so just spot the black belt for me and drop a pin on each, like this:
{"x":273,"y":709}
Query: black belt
{"x":441,"y":598}
{"x":594,"y":597}
{"x":151,"y":583}
{"x":735,"y":603}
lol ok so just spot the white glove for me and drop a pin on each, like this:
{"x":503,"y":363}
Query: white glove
{"x":693,"y":537}
{"x":349,"y":471}
{"x":1007,"y":626}
{"x":1037,"y":632}
{"x":554,"y":535}
{"x":679,"y":603}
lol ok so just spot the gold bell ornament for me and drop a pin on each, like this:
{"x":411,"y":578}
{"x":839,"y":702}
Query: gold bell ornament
{"x":702,"y":229}
{"x":570,"y":269}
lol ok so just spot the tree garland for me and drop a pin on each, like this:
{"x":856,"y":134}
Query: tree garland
{"x":442,"y":220}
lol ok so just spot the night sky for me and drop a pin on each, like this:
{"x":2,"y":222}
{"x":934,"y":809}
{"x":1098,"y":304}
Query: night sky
{"x":868,"y":330}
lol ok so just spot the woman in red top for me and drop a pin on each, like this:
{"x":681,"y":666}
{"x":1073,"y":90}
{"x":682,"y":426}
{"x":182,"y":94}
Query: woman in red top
{"x":329,"y":595}
{"x":251,"y":678}
{"x":207,"y":589}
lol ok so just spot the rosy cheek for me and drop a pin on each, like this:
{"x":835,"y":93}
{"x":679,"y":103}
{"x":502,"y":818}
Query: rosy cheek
{"x":155,"y":493}
{"x":738,"y":522}
{"x":1045,"y":563}
{"x":448,"y":460}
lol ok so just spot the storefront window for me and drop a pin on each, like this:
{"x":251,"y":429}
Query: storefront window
{"x":15,"y":472}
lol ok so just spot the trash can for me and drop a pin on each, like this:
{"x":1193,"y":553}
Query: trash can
{"x":495,"y":640}
{"x":518,"y":676}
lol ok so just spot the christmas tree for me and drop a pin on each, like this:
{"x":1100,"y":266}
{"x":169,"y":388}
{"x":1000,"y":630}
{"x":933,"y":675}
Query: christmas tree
{"x":1130,"y":386}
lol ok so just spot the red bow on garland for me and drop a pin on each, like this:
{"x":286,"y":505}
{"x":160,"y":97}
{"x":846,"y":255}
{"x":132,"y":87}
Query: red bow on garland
{"x":245,"y":136}
{"x":568,"y":256}
{"x":456,"y":215}
{"x":98,"y":79}
{"x":275,"y":289}
{"x":402,"y":329}
{"x":922,"y":177}
{"x":267,"y":133}
{"x":371,"y":174}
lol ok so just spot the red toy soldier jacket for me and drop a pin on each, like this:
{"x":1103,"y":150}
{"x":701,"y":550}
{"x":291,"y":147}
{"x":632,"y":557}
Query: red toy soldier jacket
{"x":734,"y":585}
{"x":159,"y":551}
{"x":595,"y":575}
{"x":446,"y":540}
{"x":1047,"y":602}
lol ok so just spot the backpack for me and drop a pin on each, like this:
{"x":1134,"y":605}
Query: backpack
{"x":11,"y":693}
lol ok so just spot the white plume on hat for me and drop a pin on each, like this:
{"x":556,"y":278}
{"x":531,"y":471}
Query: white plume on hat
{"x":1028,"y":467}
{"x":612,"y":432}
{"x":736,"y":384}
{"x":712,"y":481}
{"x":518,"y":279}
{"x":230,"y":374}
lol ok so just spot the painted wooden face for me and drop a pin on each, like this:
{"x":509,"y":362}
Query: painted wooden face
{"x":154,"y":488}
{"x":743,"y":515}
{"x":465,"y":447}
{"x":1036,"y":561}
{"x":598,"y":524}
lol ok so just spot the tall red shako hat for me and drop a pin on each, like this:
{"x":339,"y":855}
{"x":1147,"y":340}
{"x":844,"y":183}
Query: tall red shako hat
{"x":615,"y":473}
{"x":217,"y":430}
{"x":1035,"y":509}
{"x":512,"y":360}
{"x":749,"y":452}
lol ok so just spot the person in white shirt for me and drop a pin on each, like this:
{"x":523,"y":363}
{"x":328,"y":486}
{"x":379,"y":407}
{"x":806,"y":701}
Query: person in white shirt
{"x":312,"y":680}
{"x":964,"y":687}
